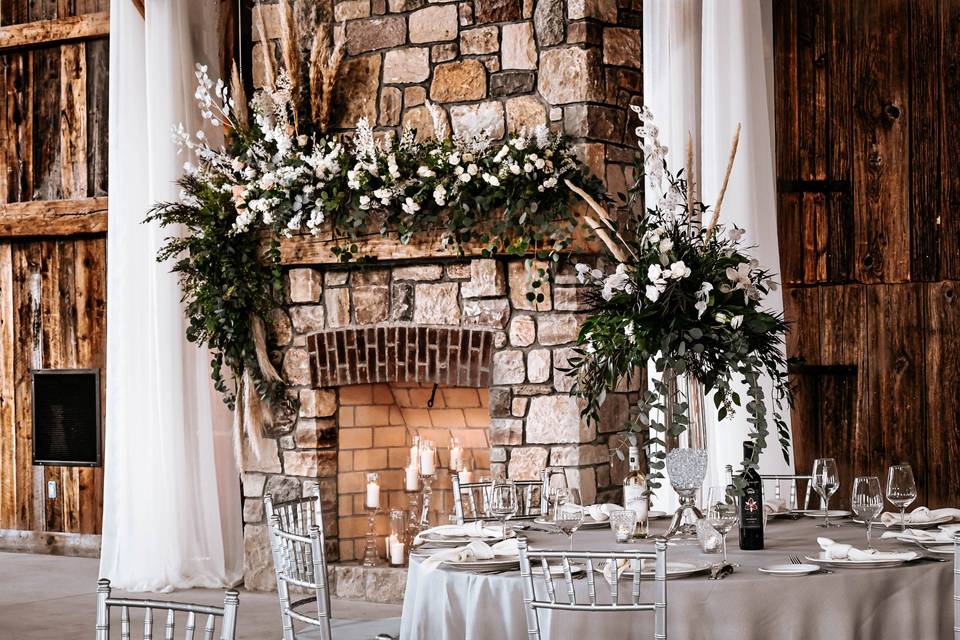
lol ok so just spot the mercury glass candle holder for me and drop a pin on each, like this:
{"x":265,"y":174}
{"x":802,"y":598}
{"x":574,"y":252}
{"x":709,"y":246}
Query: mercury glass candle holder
{"x":686,"y":469}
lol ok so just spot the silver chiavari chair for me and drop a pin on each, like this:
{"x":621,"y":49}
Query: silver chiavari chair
{"x":956,"y":586}
{"x":567,"y":599}
{"x":300,"y":561}
{"x":792,"y":503}
{"x":227,"y":614}
{"x":470,"y":500}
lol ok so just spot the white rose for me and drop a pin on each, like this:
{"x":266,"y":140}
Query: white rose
{"x":652,"y":293}
{"x":736,"y":321}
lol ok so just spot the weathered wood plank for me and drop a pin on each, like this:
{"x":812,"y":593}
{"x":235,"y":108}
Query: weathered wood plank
{"x":948,"y":219}
{"x":8,"y":441}
{"x":895,"y":372}
{"x":97,"y":107}
{"x":942,"y":304}
{"x":45,"y":76}
{"x":16,"y":123}
{"x":47,"y":218}
{"x":73,"y":120}
{"x":52,"y":338}
{"x":881,"y":141}
{"x":26,"y":265}
{"x":812,"y":33}
{"x":53,"y":543}
{"x":45,"y":32}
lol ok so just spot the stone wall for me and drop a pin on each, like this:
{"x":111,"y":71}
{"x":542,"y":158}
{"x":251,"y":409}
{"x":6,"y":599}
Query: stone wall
{"x":494,"y":65}
{"x":533,"y":419}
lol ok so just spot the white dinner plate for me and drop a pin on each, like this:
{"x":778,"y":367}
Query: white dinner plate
{"x":879,"y":563}
{"x":656,"y":515}
{"x":493,"y":564}
{"x":588,"y":523}
{"x":458,"y":541}
{"x":834,"y":513}
{"x":790,"y":569}
{"x":939,"y":549}
{"x":952,"y":528}
{"x":557,"y":569}
{"x":930,"y":524}
{"x":674,"y":570}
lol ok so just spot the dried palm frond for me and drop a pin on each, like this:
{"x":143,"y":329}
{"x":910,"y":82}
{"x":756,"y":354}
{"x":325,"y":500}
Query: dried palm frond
{"x":601,"y":212}
{"x":325,"y":62}
{"x":268,"y":72}
{"x":237,"y":93}
{"x":260,"y":347}
{"x":726,"y":180}
{"x":598,"y":229}
{"x":690,"y":196}
{"x":290,"y":50}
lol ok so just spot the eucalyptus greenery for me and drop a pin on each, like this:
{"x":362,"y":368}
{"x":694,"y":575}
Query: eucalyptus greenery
{"x":686,"y":298}
{"x":271,"y":180}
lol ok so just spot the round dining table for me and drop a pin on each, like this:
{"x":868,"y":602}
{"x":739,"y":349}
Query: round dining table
{"x":909,"y":602}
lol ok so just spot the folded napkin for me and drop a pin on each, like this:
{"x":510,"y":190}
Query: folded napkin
{"x":476,"y":550}
{"x":838,"y":551}
{"x":919,"y":516}
{"x":476,"y":529}
{"x":775,"y":505}
{"x":935,"y":536}
{"x":599,"y":512}
{"x":619,"y":566}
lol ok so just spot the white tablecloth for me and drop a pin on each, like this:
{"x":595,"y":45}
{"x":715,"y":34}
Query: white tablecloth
{"x":912,"y":602}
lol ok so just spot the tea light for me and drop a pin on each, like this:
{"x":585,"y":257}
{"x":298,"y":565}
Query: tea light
{"x":395,"y":549}
{"x":412,"y":478}
{"x":373,"y":491}
{"x":428,"y":463}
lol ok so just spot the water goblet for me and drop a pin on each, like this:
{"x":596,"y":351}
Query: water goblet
{"x":826,"y":481}
{"x":901,"y":490}
{"x":622,"y":523}
{"x":723,"y":513}
{"x":568,"y":521}
{"x":867,"y":501}
{"x":503,"y":502}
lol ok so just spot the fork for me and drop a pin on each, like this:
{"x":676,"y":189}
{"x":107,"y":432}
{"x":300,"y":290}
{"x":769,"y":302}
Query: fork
{"x":796,"y":560}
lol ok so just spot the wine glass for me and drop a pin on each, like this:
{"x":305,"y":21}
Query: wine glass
{"x":826,"y":481}
{"x":722,"y":513}
{"x":867,"y":501}
{"x":901,"y":490}
{"x":503,"y":502}
{"x":568,"y":521}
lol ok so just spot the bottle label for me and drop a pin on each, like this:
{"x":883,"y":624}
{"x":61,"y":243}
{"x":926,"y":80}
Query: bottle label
{"x":751,"y":511}
{"x":634,"y":500}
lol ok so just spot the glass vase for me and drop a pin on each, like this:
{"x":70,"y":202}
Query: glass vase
{"x":686,"y":453}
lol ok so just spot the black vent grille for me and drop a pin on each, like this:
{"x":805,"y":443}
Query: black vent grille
{"x":66,"y":417}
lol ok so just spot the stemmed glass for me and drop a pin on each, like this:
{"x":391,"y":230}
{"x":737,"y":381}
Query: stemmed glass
{"x":901,"y":490}
{"x":722,"y":514}
{"x":867,"y":501}
{"x":503,"y":502}
{"x":568,"y":521}
{"x":826,"y":481}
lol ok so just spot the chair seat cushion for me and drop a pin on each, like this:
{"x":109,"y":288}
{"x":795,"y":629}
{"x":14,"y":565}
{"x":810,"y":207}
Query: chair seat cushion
{"x":357,"y":629}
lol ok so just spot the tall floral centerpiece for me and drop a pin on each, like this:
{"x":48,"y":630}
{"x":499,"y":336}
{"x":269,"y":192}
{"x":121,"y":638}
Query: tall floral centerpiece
{"x":686,"y":299}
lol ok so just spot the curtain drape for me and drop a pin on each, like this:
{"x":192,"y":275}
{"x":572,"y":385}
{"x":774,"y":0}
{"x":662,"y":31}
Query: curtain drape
{"x":171,"y":489}
{"x":707,"y":66}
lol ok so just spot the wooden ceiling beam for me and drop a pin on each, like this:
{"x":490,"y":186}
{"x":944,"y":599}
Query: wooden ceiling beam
{"x":44,"y":32}
{"x":46,"y":218}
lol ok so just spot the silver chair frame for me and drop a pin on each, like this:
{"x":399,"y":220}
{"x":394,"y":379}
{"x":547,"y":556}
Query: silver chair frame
{"x":571,"y":603}
{"x":792,"y":502}
{"x":956,"y":586}
{"x":297,"y":544}
{"x":227,"y":613}
{"x":468,"y":491}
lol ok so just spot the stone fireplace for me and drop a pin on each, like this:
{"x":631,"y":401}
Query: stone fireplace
{"x":361,"y":349}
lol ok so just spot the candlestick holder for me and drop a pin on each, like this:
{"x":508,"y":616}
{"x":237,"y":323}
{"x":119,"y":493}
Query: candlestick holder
{"x":413,"y":514}
{"x":370,"y":557}
{"x":426,"y":495}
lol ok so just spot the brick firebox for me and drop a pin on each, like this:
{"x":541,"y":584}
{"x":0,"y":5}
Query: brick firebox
{"x":360,"y":347}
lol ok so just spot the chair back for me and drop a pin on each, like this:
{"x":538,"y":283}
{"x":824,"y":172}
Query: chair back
{"x":791,"y":481}
{"x":297,"y":544}
{"x":227,"y":615}
{"x":470,"y":500}
{"x":565,"y":597}
{"x":956,"y":586}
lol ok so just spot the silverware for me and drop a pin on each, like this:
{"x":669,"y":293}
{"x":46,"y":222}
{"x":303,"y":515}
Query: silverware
{"x":797,"y":560}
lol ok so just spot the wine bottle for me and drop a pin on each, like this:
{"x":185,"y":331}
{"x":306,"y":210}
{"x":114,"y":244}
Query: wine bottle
{"x":634,"y":488}
{"x":751,"y":506}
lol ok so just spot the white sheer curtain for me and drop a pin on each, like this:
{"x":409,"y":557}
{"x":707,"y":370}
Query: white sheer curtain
{"x":171,"y":495}
{"x":707,"y":66}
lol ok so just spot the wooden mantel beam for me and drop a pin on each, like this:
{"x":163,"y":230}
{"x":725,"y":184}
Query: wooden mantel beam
{"x":43,"y":32}
{"x":45,"y":218}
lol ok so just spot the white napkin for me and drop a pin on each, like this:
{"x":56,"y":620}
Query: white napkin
{"x":621,"y":566}
{"x":599,"y":512}
{"x":918,"y":516}
{"x":476,"y":529}
{"x":838,"y":551}
{"x":933,"y":537}
{"x":775,"y":505}
{"x":476,"y":550}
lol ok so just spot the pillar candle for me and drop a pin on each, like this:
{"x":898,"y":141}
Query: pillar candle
{"x":466,"y":476}
{"x":456,"y":458}
{"x":412,"y":478}
{"x":395,"y":549}
{"x":415,"y":457}
{"x":428,"y":465}
{"x":373,"y":495}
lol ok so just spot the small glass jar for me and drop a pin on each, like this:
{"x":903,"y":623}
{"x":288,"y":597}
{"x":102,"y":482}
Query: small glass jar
{"x":622,"y":523}
{"x":397,"y":541}
{"x":709,"y":538}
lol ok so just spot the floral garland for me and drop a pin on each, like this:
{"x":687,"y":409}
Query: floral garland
{"x":688,"y":298}
{"x":272,"y":181}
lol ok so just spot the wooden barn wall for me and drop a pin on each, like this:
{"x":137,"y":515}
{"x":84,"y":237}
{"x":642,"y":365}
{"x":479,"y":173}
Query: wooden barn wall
{"x":53,"y":180}
{"x":867,"y":113}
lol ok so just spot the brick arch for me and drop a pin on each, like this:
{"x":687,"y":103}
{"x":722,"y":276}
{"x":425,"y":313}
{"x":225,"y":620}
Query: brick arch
{"x":452,"y":356}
